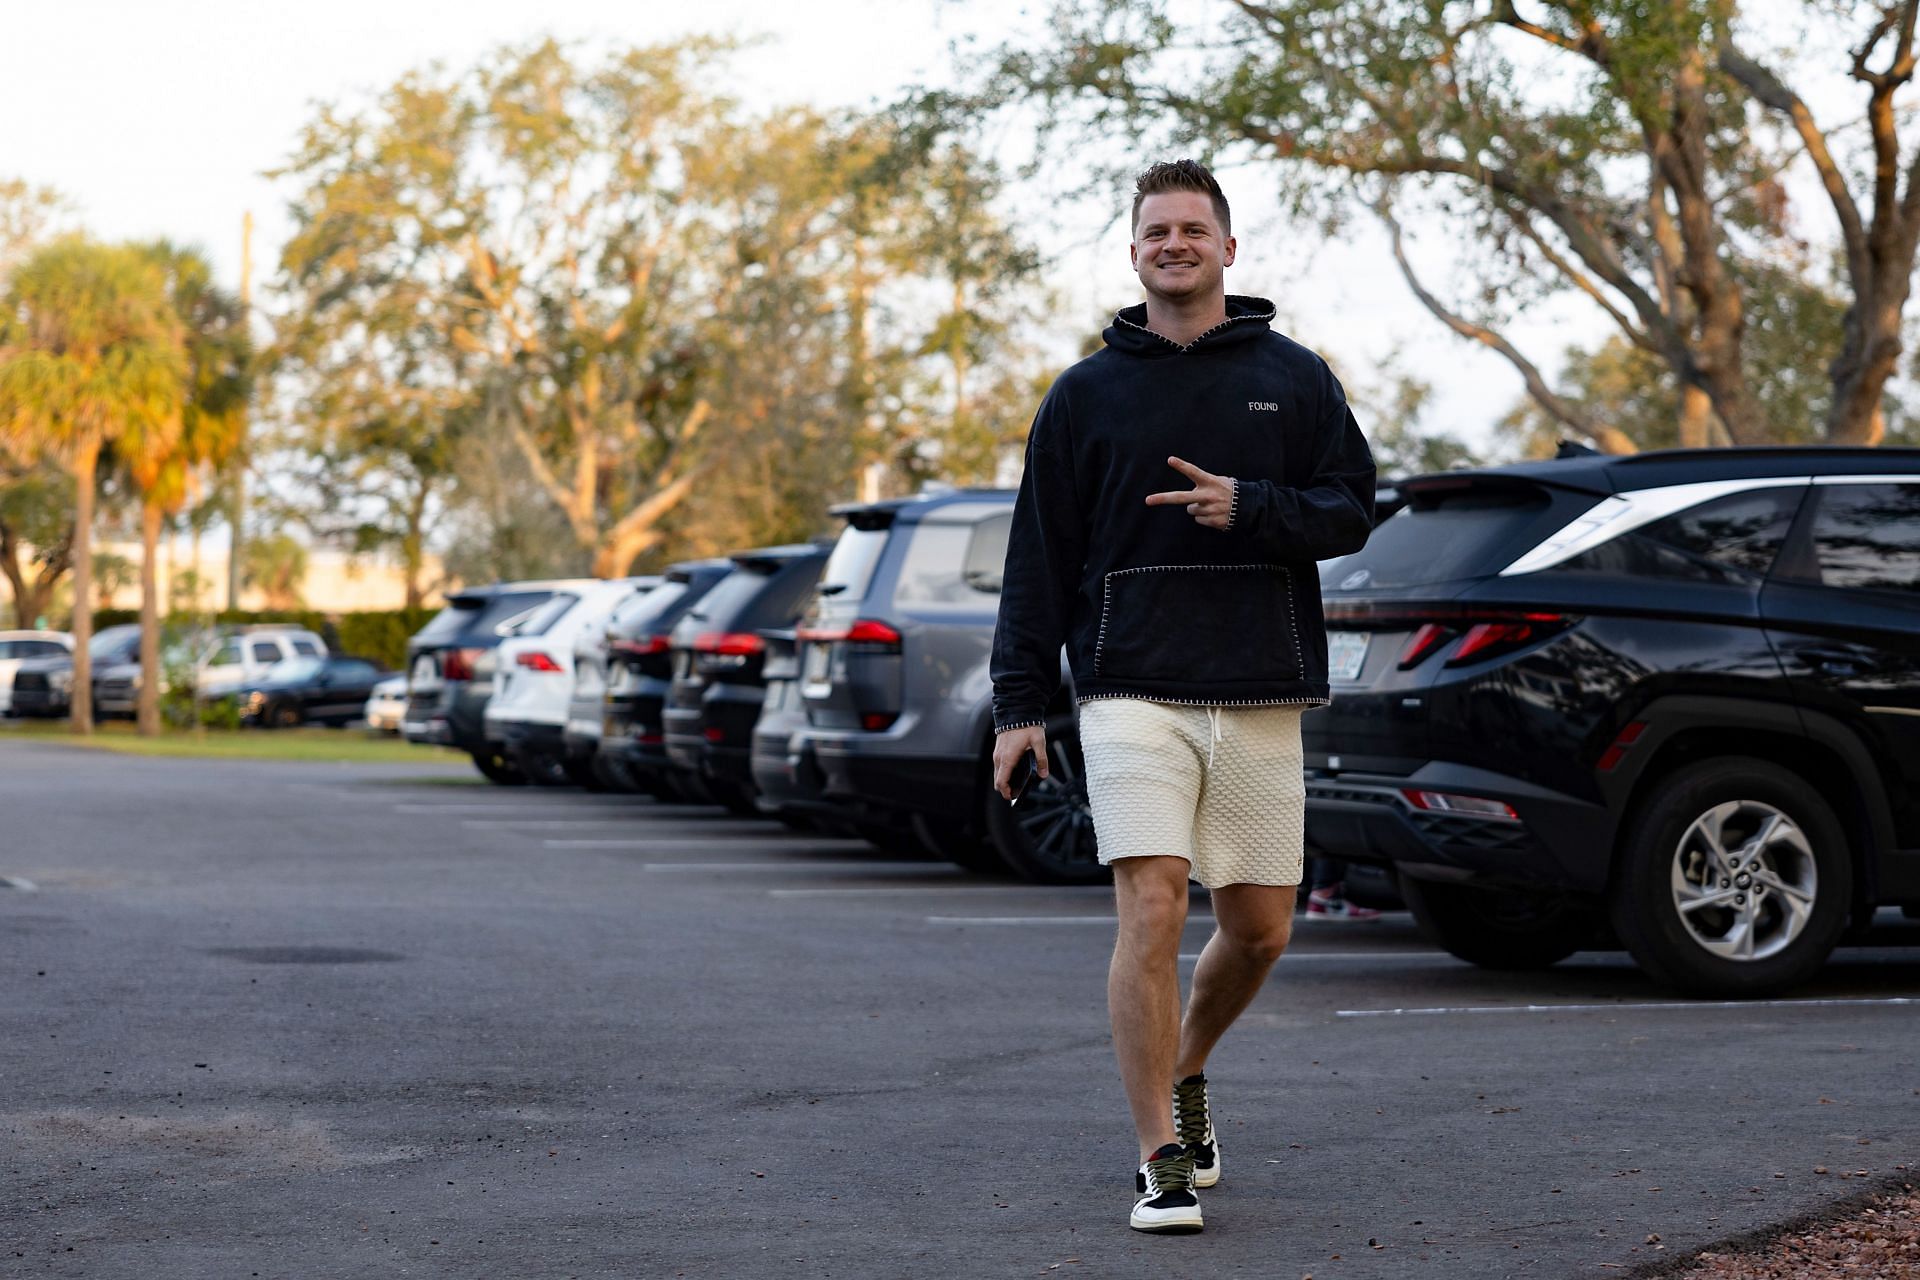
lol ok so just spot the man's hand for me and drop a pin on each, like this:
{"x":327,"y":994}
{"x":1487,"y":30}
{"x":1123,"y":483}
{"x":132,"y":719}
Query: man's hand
{"x":1007,"y":750}
{"x":1210,"y":501}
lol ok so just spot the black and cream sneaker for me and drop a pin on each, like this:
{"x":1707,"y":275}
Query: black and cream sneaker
{"x":1193,"y":1122}
{"x":1164,"y":1185}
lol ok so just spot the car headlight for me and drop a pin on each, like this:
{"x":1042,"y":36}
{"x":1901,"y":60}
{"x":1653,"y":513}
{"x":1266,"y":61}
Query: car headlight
{"x":61,"y":681}
{"x":254,"y":701}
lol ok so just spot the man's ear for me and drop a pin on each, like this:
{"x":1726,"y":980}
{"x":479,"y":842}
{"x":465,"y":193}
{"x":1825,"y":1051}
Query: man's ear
{"x":1133,"y":253}
{"x":1232,"y":244}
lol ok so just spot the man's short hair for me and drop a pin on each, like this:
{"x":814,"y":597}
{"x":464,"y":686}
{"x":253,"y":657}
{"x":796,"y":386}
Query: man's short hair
{"x":1181,"y":175}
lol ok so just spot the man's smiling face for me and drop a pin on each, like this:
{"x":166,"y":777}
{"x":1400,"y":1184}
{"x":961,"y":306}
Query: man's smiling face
{"x":1180,"y":250}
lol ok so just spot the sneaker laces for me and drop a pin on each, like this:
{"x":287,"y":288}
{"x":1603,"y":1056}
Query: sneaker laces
{"x":1190,"y":1111}
{"x":1173,"y":1173}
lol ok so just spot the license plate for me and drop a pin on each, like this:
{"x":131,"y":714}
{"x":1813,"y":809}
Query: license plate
{"x":1346,"y":654}
{"x":819,"y":661}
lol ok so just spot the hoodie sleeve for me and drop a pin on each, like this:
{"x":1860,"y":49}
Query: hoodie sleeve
{"x":1046,"y":552}
{"x":1332,"y":514}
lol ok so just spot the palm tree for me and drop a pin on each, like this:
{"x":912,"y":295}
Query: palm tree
{"x":89,"y":348}
{"x":168,"y":465}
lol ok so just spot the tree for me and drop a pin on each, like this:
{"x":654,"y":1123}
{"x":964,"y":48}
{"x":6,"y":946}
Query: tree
{"x":36,"y":511}
{"x":169,"y":459}
{"x":275,"y":565}
{"x":89,"y":349}
{"x":1631,"y":156}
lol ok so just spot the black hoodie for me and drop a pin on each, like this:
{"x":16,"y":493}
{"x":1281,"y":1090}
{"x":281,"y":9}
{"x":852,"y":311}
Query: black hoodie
{"x":1148,"y":602}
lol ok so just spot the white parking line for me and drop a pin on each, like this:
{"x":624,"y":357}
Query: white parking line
{"x":907,"y":888}
{"x":1297,"y":957}
{"x":786,"y":844}
{"x":1106,"y":920}
{"x":535,"y":807}
{"x":692,"y":822}
{"x":783,"y":864}
{"x":1607,"y":1008}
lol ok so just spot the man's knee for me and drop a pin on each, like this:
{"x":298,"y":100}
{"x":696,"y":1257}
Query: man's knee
{"x":1265,"y":944}
{"x":1151,"y":896}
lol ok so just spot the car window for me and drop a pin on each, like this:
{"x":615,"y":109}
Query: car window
{"x":639,"y":615}
{"x":352,"y":671}
{"x":1728,"y":540}
{"x":849,"y":570}
{"x":537,"y":622}
{"x":227,"y":655}
{"x":43,"y":648}
{"x":266,"y":651}
{"x":933,"y":571}
{"x":1866,"y":537}
{"x":306,"y":647}
{"x":727,"y":600}
{"x":302,"y":668}
{"x":987,"y":553}
{"x":1446,"y":535}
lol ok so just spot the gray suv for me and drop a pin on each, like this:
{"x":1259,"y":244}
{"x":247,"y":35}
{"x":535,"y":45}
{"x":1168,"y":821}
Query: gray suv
{"x":893,"y":673}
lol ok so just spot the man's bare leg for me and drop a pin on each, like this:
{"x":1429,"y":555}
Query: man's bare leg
{"x":1143,"y":989}
{"x":1253,"y":923}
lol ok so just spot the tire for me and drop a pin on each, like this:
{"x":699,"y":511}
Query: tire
{"x":497,"y":769}
{"x":960,"y":847}
{"x":582,"y":773}
{"x":615,"y":776}
{"x":1048,"y":838}
{"x":1505,"y":929}
{"x":544,"y":769}
{"x":736,"y":798}
{"x":284,"y":715}
{"x":1762,"y":941}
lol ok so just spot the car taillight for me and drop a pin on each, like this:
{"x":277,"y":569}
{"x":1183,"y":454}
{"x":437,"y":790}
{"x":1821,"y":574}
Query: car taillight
{"x":537,"y":661}
{"x":457,"y":664}
{"x":639,"y":646}
{"x":878,"y":721}
{"x":866,"y":632}
{"x":1490,"y":639}
{"x":1429,"y":637}
{"x":1465,"y":806}
{"x":732,"y":644}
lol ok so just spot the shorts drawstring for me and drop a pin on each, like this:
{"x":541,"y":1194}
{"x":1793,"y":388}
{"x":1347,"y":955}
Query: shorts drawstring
{"x":1213,"y":714}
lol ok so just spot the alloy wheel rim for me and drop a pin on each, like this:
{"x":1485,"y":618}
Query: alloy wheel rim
{"x":1058,"y":822}
{"x":1744,"y":880}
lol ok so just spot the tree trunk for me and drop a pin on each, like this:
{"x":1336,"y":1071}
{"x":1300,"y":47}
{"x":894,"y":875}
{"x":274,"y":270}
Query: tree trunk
{"x":1696,"y":416}
{"x":413,"y":544}
{"x":86,"y":462}
{"x":149,"y":714}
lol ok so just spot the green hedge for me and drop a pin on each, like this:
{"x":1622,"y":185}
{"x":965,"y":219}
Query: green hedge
{"x":379,"y":634}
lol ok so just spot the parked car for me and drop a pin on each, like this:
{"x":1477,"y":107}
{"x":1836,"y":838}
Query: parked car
{"x":633,"y":744}
{"x":330,"y":690}
{"x":20,"y":646}
{"x":533,"y":680}
{"x":1677,"y":693}
{"x":44,"y":686}
{"x":450,"y":669}
{"x":386,"y":706}
{"x":240,"y":658}
{"x":718,"y":655}
{"x":898,"y":697}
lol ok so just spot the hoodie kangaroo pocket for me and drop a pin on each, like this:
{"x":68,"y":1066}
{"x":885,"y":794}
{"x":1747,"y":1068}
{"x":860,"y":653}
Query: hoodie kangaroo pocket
{"x":1211,"y":624}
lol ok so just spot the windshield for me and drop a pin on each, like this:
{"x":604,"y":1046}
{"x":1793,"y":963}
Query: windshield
{"x":113,"y":641}
{"x":291,"y":670}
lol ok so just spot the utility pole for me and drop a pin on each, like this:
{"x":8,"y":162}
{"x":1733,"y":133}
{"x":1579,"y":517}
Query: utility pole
{"x":237,"y":515}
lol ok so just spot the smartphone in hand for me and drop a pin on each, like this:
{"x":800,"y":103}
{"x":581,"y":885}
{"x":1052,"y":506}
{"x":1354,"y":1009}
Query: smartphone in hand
{"x":1024,"y":772}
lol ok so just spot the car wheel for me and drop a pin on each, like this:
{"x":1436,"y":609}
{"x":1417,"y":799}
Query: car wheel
{"x":497,"y":769}
{"x":735,"y":798}
{"x":958,"y":846}
{"x":1735,"y":880}
{"x":284,"y":715}
{"x":583,"y":774}
{"x":1048,"y":837}
{"x":544,"y":769}
{"x":615,"y":776}
{"x":1498,"y":928}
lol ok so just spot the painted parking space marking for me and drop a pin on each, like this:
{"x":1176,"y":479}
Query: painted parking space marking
{"x":528,"y":807}
{"x":1106,"y":920}
{"x":692,"y":822}
{"x":781,"y":845}
{"x":1814,"y":1003}
{"x":962,"y":886}
{"x":1299,"y":957}
{"x":784,"y":864}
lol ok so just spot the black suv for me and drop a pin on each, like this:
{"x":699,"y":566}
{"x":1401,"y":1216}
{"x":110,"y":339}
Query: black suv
{"x":718,"y":656}
{"x":450,"y":670}
{"x":1678,"y":692}
{"x":639,"y":671}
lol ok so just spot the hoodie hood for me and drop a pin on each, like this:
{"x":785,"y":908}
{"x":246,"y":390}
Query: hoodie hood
{"x":1247,"y":318}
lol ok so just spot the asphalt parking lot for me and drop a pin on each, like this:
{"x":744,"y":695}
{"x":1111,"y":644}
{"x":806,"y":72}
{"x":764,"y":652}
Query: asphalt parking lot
{"x":289,"y":1020}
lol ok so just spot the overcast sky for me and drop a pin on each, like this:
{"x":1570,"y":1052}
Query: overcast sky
{"x":158,"y":117}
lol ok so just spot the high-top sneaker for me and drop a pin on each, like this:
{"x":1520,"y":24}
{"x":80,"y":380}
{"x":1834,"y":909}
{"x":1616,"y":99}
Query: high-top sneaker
{"x":1193,"y":1121}
{"x":1164,"y":1185}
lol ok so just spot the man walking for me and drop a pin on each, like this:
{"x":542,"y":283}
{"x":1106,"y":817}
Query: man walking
{"x":1180,"y":485}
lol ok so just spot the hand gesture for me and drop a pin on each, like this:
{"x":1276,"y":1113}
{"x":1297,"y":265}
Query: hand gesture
{"x":1210,"y":501}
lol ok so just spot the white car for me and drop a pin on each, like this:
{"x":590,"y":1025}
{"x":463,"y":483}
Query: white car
{"x":18,"y":646}
{"x":533,"y":678}
{"x":387,"y":706}
{"x":244,"y":658}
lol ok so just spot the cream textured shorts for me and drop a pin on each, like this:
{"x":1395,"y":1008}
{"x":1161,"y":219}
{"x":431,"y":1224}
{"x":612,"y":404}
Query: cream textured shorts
{"x":1222,"y":787}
